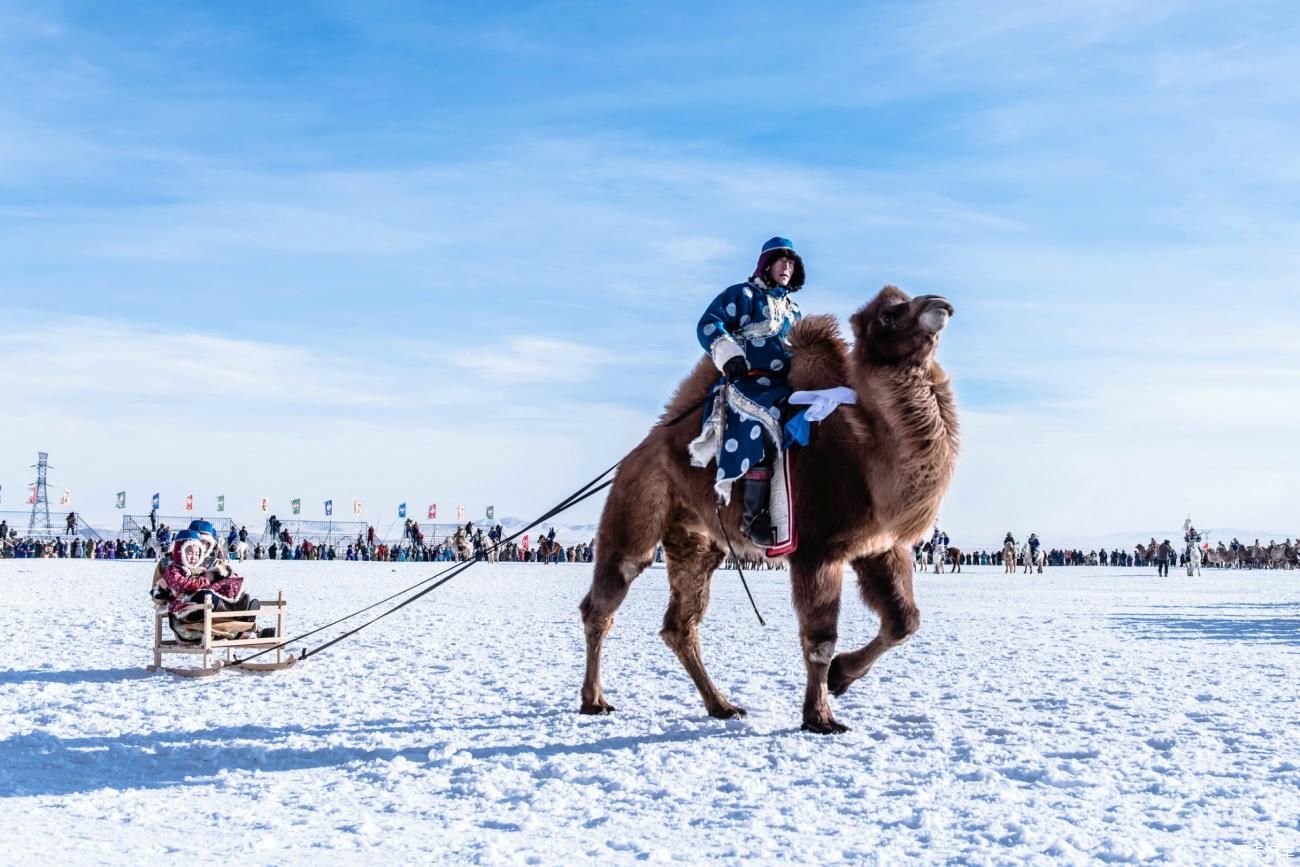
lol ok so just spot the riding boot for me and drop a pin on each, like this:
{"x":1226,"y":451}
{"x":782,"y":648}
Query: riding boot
{"x":756,"y":523}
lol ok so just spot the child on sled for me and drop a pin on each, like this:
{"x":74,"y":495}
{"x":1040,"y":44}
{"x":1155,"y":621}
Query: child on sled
{"x":196,"y":574}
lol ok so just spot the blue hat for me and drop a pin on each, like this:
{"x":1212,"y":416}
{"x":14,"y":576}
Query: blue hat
{"x":198,"y":527}
{"x":774,"y":249}
{"x":185,"y":534}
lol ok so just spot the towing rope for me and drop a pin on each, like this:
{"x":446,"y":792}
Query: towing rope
{"x":592,"y":487}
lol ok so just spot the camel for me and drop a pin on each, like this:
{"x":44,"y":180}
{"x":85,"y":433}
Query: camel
{"x":864,"y":489}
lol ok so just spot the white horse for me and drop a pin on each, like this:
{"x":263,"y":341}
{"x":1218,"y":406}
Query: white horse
{"x":1031,"y":559}
{"x":1193,"y":559}
{"x":938,"y":556}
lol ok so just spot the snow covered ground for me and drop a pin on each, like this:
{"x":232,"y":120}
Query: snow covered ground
{"x":1085,"y":715}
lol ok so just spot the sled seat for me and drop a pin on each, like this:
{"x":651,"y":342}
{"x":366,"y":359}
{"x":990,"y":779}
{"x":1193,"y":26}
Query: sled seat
{"x":213,"y":641}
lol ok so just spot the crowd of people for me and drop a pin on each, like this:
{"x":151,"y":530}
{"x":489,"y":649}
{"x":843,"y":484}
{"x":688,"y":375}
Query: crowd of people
{"x":472,"y":542}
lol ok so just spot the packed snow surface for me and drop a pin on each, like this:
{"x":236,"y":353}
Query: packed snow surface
{"x":1079,"y":716}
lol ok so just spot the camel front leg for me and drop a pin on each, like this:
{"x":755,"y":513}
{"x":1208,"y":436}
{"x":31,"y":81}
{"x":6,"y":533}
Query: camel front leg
{"x":886,"y":586}
{"x":817,"y":601}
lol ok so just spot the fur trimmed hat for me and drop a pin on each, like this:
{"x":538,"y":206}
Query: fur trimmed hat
{"x":777,"y":248}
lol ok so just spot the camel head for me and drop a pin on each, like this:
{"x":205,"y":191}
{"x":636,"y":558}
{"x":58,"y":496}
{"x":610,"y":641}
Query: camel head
{"x":896,"y":329}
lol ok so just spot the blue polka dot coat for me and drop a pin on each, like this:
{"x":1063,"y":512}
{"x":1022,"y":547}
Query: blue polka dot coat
{"x":743,"y":420}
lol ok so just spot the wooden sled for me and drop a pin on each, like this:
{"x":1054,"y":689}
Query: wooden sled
{"x":213,"y":642}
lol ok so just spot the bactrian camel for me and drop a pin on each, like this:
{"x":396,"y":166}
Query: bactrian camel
{"x":866,"y":487}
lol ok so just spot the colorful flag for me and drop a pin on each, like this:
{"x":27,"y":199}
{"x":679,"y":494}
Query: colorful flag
{"x":31,"y":495}
{"x":433,"y":512}
{"x":296,"y":505}
{"x":329,"y":507}
{"x":121,"y":499}
{"x":266,"y":505}
{"x":491,"y":513}
{"x":155,"y":501}
{"x":189,"y":502}
{"x":525,"y":541}
{"x":221,"y":503}
{"x":460,"y":513}
{"x":401,"y":510}
{"x":66,"y":498}
{"x":356,"y":507}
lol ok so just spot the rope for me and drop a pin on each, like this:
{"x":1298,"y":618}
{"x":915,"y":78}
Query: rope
{"x":450,"y":572}
{"x":735,"y":559}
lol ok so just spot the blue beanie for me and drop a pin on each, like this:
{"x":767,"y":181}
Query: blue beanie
{"x":774,"y":249}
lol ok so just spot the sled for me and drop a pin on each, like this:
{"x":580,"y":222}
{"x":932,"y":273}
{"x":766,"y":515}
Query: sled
{"x":213,"y":643}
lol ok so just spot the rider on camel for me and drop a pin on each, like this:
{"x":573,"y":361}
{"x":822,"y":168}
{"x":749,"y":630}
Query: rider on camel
{"x":746,"y":331}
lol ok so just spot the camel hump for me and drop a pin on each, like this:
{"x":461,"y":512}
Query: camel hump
{"x":820,"y":356}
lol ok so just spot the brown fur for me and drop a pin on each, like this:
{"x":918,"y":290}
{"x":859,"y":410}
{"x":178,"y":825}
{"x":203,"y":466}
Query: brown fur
{"x":866,"y":488}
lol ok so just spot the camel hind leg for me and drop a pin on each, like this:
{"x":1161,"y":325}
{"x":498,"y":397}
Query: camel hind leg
{"x":630,"y":527}
{"x":886,"y":586}
{"x":691,"y":559}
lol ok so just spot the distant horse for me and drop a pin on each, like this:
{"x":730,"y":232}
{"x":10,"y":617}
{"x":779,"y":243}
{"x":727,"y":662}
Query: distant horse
{"x":954,"y":559}
{"x":241,"y":550}
{"x":1033,"y":560}
{"x":1193,"y":559}
{"x":1009,"y":557}
{"x":938,"y":554}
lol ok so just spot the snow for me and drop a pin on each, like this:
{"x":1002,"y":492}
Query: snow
{"x":1080,"y":716}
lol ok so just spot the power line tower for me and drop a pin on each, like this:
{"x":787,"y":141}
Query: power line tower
{"x":40,"y":493}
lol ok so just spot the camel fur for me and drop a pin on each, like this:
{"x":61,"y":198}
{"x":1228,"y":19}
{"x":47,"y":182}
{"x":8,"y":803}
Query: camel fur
{"x":865,"y":489}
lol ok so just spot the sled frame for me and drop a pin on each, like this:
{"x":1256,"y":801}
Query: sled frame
{"x":211,"y":646}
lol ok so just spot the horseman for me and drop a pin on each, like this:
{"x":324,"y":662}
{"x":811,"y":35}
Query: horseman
{"x":1034,"y":544}
{"x":746,"y":332}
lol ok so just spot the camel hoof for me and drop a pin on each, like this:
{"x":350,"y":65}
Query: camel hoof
{"x":826,"y":726}
{"x":599,"y":709}
{"x":836,"y":680}
{"x":729,"y":711}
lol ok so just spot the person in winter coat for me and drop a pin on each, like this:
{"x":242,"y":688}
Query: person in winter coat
{"x":746,"y":332}
{"x":1164,"y":554}
{"x":185,"y":580}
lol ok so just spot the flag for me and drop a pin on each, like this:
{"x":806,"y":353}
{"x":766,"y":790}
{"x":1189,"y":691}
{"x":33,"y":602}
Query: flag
{"x":433,"y":512}
{"x":356,"y":507}
{"x":329,"y":507}
{"x":66,"y":498}
{"x":189,"y":502}
{"x":155,"y":501}
{"x":297,"y":506}
{"x":525,"y":541}
{"x":31,"y":496}
{"x":491,"y":513}
{"x":121,"y":499}
{"x":401,"y":510}
{"x":221,"y":503}
{"x":266,"y":505}
{"x":460,"y":513}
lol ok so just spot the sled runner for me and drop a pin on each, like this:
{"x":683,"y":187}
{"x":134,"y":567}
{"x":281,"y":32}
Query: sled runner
{"x":218,"y":632}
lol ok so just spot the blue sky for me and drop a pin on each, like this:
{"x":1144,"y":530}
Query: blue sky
{"x":410,"y":252}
